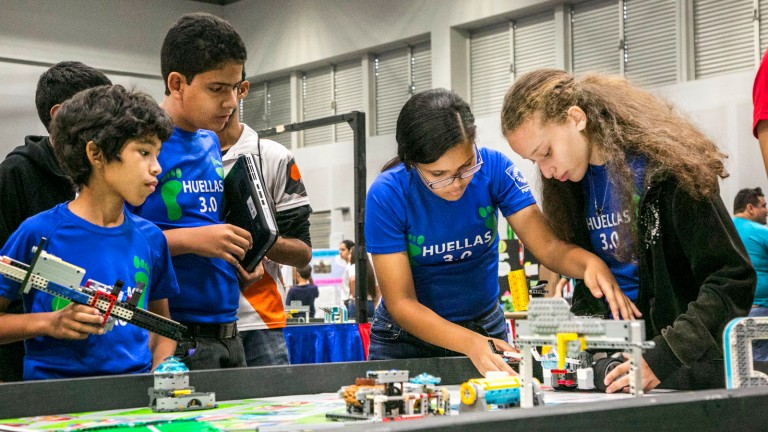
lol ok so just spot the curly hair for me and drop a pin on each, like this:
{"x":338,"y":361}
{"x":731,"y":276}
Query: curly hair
{"x":109,"y":116}
{"x":198,"y":43}
{"x":622,"y":120}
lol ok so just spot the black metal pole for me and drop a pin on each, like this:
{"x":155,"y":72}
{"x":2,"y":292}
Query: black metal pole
{"x":356,"y":120}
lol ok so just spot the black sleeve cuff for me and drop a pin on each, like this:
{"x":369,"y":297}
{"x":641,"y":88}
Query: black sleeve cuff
{"x":294,"y":223}
{"x":661,"y":359}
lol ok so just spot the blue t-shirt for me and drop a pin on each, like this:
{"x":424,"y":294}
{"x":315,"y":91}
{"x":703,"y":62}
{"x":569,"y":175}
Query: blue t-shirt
{"x":603,"y":218}
{"x":755,"y":238}
{"x":306,"y":294}
{"x":452,"y":245}
{"x":190,"y":194}
{"x":136,"y":251}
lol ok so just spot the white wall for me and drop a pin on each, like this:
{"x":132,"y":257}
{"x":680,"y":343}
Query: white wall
{"x":120,"y":37}
{"x":124,"y":37}
{"x":290,"y":35}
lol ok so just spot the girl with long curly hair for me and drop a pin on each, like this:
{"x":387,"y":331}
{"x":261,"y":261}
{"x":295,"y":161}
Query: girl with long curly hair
{"x":628,"y":178}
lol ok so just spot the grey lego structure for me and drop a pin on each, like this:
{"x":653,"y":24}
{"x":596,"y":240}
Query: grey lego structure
{"x":550,"y":322}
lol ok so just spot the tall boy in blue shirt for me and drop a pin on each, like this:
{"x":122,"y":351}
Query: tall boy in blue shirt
{"x":107,"y":140}
{"x":202,"y":60}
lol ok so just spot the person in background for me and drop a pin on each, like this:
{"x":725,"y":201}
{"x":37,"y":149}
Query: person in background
{"x":626,"y":176}
{"x":749,"y":216}
{"x":304,"y":290}
{"x":261,"y":315}
{"x":345,"y":248}
{"x":371,"y":288}
{"x":31,"y":178}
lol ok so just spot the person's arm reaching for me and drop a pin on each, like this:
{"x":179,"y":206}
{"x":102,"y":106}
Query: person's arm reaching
{"x":569,"y":259}
{"x":397,"y":289}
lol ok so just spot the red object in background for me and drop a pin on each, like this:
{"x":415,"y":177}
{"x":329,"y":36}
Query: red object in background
{"x":365,"y":335}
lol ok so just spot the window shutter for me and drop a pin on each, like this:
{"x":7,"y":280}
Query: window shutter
{"x":349,"y":89}
{"x":650,"y":29}
{"x":317,"y":97}
{"x":320,"y":229}
{"x":595,"y":30}
{"x":392,"y":88}
{"x":723,"y":36}
{"x":421,"y":67}
{"x":534,"y":46}
{"x":763,"y":14}
{"x":255,"y":107}
{"x":279,"y":107}
{"x":489,"y":64}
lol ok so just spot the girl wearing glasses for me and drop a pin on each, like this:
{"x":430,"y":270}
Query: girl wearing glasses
{"x":431,"y":225}
{"x":627,"y":177}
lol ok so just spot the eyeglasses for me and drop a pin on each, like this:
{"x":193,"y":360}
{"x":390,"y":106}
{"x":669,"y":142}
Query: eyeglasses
{"x":469,"y":172}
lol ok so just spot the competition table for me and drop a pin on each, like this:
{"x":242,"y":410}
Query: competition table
{"x":712,"y":410}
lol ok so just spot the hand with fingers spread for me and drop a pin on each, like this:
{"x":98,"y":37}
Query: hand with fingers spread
{"x":483,"y":357}
{"x":618,"y":379}
{"x":600,"y":281}
{"x":75,"y":321}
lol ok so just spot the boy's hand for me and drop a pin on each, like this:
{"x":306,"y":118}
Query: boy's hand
{"x":225,"y":241}
{"x":75,"y":321}
{"x":245,"y":279}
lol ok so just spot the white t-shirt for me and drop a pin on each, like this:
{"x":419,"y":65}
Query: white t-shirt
{"x":262,"y":304}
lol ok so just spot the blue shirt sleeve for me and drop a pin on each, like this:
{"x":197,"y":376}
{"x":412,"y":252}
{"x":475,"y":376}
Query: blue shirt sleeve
{"x":384,"y":211}
{"x":510,"y":188}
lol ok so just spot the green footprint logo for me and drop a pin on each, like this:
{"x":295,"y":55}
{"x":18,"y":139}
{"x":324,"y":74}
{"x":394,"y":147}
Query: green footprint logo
{"x":414,"y":247}
{"x":489,"y":216}
{"x":59,"y":303}
{"x":169,"y":191}
{"x":219,"y":167}
{"x":142,"y":275}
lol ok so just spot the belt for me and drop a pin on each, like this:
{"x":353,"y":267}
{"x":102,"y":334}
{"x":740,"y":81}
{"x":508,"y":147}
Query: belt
{"x":218,"y":331}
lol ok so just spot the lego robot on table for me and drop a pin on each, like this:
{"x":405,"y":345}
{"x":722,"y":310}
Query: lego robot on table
{"x":389,"y":395}
{"x":737,"y":348}
{"x":172,"y":391}
{"x":502,"y":391}
{"x":550,"y":322}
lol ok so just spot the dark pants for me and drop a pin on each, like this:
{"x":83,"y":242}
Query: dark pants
{"x":12,"y":354}
{"x":390,"y":341}
{"x":211,"y":353}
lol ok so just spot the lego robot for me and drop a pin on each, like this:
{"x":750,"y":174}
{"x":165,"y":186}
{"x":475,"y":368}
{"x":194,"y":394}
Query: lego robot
{"x":550,"y":322}
{"x":389,"y":395}
{"x":56,"y":277}
{"x":499,"y":390}
{"x":172,"y":391}
{"x":737,"y":348}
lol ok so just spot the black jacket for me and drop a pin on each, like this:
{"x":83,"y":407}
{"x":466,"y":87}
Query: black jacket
{"x":695,"y":277}
{"x":31,"y":181}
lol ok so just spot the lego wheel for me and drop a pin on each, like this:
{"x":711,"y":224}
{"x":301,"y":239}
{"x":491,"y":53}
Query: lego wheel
{"x":601,"y":368}
{"x":468,"y":394}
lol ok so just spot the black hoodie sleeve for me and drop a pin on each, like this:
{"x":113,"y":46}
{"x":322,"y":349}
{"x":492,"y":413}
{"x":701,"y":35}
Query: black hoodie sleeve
{"x":705,"y":280}
{"x":12,"y":197}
